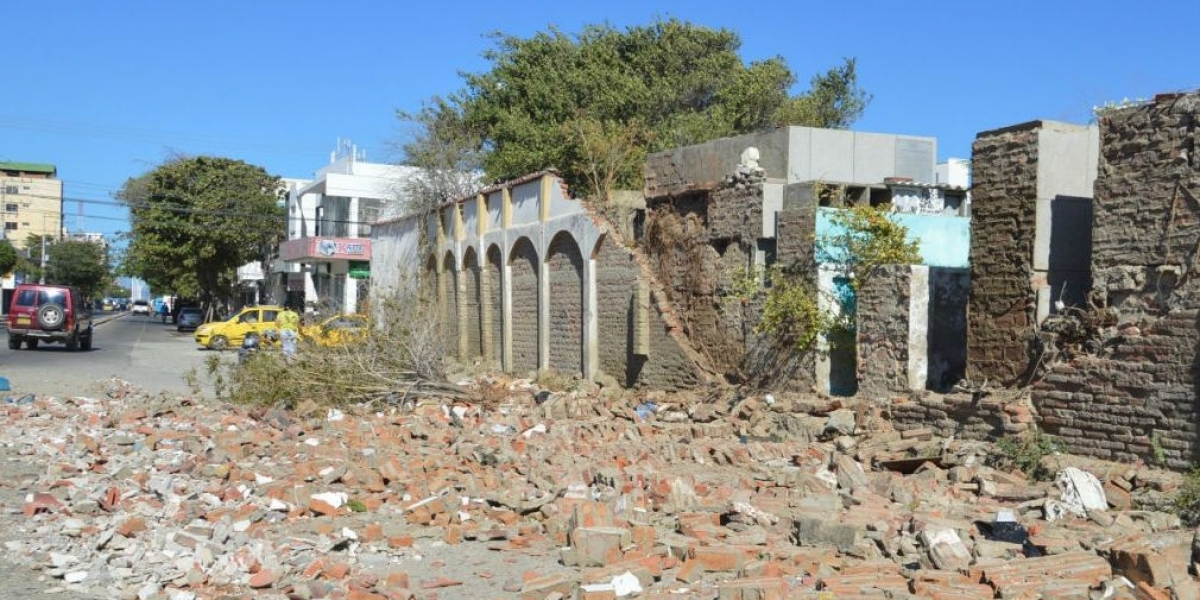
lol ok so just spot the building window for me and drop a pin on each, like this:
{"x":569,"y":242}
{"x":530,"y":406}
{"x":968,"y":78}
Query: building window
{"x":10,"y":226}
{"x":11,"y":189}
{"x":11,"y":207}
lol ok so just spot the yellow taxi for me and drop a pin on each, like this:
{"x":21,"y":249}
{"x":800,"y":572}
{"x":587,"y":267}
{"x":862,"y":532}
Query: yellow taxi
{"x":253,"y":322}
{"x":336,"y":331}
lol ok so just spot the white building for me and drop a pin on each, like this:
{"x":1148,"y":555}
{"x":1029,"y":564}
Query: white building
{"x":326,"y":260}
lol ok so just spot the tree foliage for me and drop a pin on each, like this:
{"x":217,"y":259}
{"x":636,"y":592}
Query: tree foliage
{"x":554,"y":99}
{"x":8,"y":257}
{"x":861,"y":239}
{"x":194,"y":221}
{"x":80,"y":263}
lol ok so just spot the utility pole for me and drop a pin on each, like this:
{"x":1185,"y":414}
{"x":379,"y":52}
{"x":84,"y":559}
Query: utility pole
{"x":42,"y":277}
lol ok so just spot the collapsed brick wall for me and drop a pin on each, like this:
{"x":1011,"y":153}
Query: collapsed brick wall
{"x":883,"y":323}
{"x":699,"y":245}
{"x":662,"y":363}
{"x":565,"y":266}
{"x":1128,"y":390}
{"x":1004,"y":204}
{"x":524,"y":308}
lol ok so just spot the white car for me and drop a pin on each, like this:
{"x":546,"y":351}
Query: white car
{"x":141,"y":307}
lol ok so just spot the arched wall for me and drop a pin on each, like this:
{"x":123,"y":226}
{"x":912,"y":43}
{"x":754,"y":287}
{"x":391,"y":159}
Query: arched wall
{"x":450,"y":302}
{"x":494,"y":300}
{"x":472,"y":304}
{"x":564,"y":264}
{"x":523,"y":261}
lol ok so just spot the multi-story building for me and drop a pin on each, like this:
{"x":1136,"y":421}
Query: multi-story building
{"x":326,"y":260}
{"x":32,"y":198}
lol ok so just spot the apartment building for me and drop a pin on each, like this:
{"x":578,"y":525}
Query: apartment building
{"x":32,"y":198}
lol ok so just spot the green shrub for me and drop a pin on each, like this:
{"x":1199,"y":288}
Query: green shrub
{"x":1025,"y":453}
{"x":1186,"y":503}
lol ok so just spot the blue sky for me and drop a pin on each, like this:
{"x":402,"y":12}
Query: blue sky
{"x":107,"y":90}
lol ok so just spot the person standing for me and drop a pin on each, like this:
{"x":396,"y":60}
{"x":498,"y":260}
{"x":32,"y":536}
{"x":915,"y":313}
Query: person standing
{"x":288,"y":323}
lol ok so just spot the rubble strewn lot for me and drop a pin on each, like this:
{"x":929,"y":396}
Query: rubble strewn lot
{"x":562,"y":495}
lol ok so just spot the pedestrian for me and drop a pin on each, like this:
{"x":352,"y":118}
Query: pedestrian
{"x":288,"y":323}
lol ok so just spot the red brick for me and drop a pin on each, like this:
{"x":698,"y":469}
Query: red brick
{"x":262,"y":579}
{"x":719,"y":558}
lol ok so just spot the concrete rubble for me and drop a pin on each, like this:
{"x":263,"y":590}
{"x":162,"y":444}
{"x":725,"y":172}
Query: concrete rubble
{"x":566,"y":495}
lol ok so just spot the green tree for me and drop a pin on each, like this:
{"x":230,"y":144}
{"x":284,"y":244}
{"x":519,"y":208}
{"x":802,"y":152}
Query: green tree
{"x":195,"y":220}
{"x":79,"y":263}
{"x":659,"y":86}
{"x":8,"y":257}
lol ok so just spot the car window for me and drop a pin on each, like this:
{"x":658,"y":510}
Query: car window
{"x":27,"y":298}
{"x":269,"y":315}
{"x":250,"y":316}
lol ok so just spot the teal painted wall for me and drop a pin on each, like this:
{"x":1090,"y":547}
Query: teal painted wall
{"x":945,"y":241}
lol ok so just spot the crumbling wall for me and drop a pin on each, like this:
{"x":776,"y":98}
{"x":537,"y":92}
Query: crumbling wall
{"x":1004,"y":205}
{"x":1124,"y":385}
{"x":883,"y":325}
{"x":699,"y":244}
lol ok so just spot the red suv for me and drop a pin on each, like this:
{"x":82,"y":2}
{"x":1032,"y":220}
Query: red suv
{"x":49,"y":313}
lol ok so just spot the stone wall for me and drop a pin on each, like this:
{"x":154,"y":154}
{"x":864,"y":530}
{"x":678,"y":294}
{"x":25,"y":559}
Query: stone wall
{"x":1004,"y":204}
{"x":471,"y":305}
{"x":565,"y":267}
{"x":1124,"y":386}
{"x":636,"y":347}
{"x":883,"y":325}
{"x":524,"y":308}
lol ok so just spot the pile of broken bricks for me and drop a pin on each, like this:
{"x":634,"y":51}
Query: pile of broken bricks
{"x":584,"y":495}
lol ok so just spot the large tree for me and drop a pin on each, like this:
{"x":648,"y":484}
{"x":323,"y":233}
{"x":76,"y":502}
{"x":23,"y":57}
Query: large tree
{"x":195,"y":220}
{"x":592,"y":104}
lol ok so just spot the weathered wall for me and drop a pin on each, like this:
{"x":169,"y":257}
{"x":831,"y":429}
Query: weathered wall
{"x":699,"y":245}
{"x":448,"y":280}
{"x":524,"y":307}
{"x":495,"y":300}
{"x":1001,"y":320}
{"x":1126,"y":388}
{"x":565,"y":267}
{"x":472,"y":306}
{"x":882,"y":336}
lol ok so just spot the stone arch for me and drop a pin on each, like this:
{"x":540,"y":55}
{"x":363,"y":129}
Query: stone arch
{"x":472,"y":304}
{"x":449,"y":301}
{"x":523,"y":261}
{"x":564,"y":266}
{"x":493,"y":298}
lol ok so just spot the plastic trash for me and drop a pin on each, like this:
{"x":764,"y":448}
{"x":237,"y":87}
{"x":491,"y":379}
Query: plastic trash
{"x":4,"y":385}
{"x":645,"y":409}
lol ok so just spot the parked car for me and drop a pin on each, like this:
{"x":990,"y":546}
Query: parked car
{"x":189,"y":319}
{"x":49,"y":313}
{"x":255,"y":322}
{"x":141,"y":307}
{"x":337,"y":330}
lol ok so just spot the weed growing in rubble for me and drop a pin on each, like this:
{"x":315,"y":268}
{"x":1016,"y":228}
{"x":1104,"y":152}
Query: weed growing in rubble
{"x":1186,"y":503}
{"x":1025,"y":453}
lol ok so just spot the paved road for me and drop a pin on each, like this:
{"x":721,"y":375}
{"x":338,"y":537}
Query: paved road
{"x":138,"y":349}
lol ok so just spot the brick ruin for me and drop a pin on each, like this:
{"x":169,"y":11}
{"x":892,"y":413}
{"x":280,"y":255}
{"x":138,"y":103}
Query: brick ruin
{"x":1121,"y":376}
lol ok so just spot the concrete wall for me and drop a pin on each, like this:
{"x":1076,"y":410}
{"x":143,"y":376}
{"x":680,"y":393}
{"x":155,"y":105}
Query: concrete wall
{"x":1123,"y":382}
{"x":791,"y":155}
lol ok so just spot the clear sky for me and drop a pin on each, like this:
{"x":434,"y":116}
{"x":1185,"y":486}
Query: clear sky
{"x":106,"y":90}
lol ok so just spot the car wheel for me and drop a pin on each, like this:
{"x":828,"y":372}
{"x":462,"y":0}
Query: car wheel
{"x":73,"y":342}
{"x":14,"y":342}
{"x":218,"y":342}
{"x":251,"y":340}
{"x":50,"y":316}
{"x":31,"y":343}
